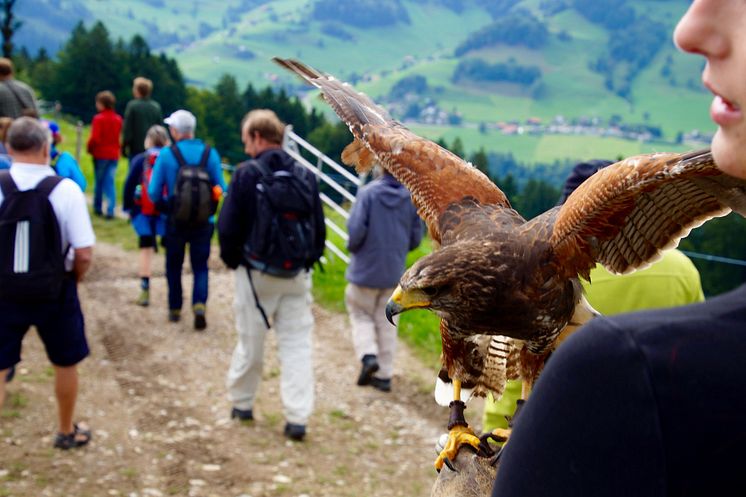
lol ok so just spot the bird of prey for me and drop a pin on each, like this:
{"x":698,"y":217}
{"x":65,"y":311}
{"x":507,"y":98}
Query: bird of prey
{"x":507,"y":289}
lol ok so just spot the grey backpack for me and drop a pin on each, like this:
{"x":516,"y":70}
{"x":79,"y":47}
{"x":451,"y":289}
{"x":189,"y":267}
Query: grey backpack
{"x":192,"y":201}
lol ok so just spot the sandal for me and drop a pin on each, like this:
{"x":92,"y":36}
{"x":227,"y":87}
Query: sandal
{"x":78,"y":438}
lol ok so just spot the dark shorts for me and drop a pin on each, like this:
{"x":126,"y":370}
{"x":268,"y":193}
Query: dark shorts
{"x":147,"y":242}
{"x":59,"y":323}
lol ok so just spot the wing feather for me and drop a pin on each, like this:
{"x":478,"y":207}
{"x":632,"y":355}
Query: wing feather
{"x":625,"y":215}
{"x":435,"y":177}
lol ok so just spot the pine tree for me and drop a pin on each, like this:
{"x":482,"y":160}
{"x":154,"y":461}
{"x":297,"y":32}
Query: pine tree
{"x":87,"y":64}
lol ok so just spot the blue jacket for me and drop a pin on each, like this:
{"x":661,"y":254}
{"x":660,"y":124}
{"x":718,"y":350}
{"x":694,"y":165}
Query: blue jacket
{"x":383,"y":226}
{"x":64,"y":165}
{"x":166,"y":168}
{"x":67,"y":167}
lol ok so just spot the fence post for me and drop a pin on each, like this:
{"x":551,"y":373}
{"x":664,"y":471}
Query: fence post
{"x":78,"y":140}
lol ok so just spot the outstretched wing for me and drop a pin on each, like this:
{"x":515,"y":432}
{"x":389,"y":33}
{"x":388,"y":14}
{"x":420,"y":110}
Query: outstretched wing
{"x":435,"y":177}
{"x":626,"y":214}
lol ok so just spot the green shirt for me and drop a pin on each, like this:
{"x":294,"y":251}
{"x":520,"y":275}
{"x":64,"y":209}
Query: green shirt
{"x":139,"y":115}
{"x":671,"y":281}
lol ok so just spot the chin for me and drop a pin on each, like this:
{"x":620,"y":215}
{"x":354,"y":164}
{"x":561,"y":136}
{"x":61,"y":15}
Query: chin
{"x":729,"y":151}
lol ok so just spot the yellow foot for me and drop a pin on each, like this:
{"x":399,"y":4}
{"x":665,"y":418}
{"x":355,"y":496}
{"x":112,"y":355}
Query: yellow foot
{"x":457,"y":437}
{"x":501,"y":434}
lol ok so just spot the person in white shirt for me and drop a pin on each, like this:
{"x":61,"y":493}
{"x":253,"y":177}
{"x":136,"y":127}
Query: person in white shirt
{"x":59,"y":320}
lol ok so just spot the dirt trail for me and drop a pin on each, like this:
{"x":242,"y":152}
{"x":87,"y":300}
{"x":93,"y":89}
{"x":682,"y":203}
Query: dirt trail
{"x":154,"y":394}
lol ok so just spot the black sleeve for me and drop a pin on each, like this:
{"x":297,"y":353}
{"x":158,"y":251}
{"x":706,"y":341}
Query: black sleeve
{"x":591,"y":425}
{"x":236,"y":216}
{"x":133,"y":179}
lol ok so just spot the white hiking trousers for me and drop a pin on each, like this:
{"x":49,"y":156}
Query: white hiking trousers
{"x":287,"y":302}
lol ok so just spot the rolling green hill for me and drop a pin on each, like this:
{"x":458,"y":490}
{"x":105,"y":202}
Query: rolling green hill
{"x":589,"y":62}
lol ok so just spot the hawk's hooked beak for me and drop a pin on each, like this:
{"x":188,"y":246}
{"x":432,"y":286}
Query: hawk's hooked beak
{"x":401,"y":301}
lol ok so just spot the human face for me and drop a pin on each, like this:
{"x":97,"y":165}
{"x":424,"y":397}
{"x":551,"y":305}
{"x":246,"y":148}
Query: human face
{"x":716,"y":29}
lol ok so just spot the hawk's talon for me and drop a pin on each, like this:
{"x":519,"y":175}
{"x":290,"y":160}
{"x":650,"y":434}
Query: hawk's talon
{"x":457,"y":436}
{"x":485,"y":449}
{"x":450,"y":465}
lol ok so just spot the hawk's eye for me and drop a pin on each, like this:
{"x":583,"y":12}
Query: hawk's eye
{"x":430,"y":291}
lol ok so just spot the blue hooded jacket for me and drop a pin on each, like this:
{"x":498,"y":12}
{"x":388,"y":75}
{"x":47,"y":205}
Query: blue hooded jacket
{"x":383,"y":226}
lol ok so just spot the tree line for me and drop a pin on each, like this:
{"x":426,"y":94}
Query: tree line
{"x":517,"y":27}
{"x":509,"y":72}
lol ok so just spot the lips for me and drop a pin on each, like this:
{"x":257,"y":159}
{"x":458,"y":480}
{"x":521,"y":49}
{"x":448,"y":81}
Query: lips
{"x":723,"y":111}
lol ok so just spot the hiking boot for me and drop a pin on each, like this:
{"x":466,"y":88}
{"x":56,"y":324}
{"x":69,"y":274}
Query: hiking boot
{"x":242,"y":414}
{"x":144,"y":298}
{"x":381,"y":384}
{"x":174,"y":315}
{"x":200,"y":322}
{"x":370,"y":366}
{"x":295,"y":432}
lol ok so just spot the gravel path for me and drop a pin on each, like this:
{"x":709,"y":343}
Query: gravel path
{"x":154,"y":394}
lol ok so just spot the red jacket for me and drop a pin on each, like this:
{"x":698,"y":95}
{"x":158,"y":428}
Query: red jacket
{"x":105,"y":130}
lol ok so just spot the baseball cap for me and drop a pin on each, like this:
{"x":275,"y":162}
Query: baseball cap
{"x":182,"y":120}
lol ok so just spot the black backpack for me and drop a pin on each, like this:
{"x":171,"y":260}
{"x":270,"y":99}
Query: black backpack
{"x":282,"y":240}
{"x":193,"y":202}
{"x":32,"y":263}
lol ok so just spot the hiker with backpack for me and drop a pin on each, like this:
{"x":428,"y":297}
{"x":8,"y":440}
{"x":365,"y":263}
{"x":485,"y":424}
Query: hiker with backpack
{"x":46,"y":246}
{"x":271,"y":231}
{"x":191,"y":174}
{"x":149,"y":223}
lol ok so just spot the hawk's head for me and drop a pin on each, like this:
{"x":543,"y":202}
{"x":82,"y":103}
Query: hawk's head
{"x":468,"y":281}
